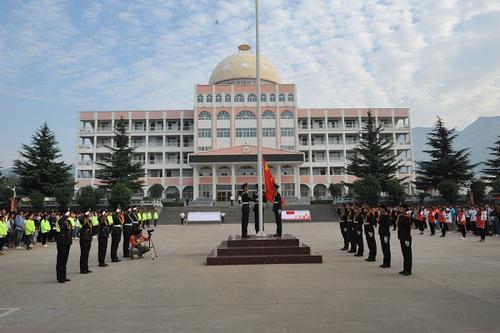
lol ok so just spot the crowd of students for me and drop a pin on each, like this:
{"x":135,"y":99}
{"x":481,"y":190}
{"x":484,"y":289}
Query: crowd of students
{"x":25,"y":229}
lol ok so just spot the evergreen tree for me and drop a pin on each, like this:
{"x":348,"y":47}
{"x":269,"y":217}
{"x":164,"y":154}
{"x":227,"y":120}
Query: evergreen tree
{"x":38,"y":168}
{"x":88,"y":198}
{"x":118,"y":167}
{"x":120,"y":196}
{"x":492,"y":169}
{"x":446,"y":163}
{"x":367,"y":189}
{"x":374,"y":155}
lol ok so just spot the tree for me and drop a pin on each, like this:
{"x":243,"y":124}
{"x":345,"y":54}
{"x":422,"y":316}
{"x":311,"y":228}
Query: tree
{"x":120,"y":196}
{"x":374,"y":155}
{"x":156,"y":191}
{"x":445,"y":163}
{"x":367,"y":189}
{"x":36,"y":200}
{"x":477,"y":188}
{"x":118,"y":166}
{"x":396,"y":191}
{"x":64,"y":195}
{"x":88,"y":198}
{"x":496,"y":186}
{"x":336,"y":190}
{"x":448,"y":189}
{"x":38,"y":168}
{"x":492,"y":170}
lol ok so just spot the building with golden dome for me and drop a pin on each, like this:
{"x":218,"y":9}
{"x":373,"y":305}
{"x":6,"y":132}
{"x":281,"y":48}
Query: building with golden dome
{"x":208,"y":151}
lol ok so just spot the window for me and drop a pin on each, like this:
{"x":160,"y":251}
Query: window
{"x":209,"y":98}
{"x":351,"y":123}
{"x":246,"y":115}
{"x":227,"y":98}
{"x":303,"y":139}
{"x":333,"y":123}
{"x":287,"y":114}
{"x":335,"y":155}
{"x":218,"y":98}
{"x":268,"y":114}
{"x":246,"y":132}
{"x":288,"y":190}
{"x":286,"y":170}
{"x":223,"y":115}
{"x":303,"y":123}
{"x":200,"y":99}
{"x":204,"y":133}
{"x":317,"y":140}
{"x":155,"y":125}
{"x":290,"y":97}
{"x":318,"y":156}
{"x":223,"y":132}
{"x":246,"y":171}
{"x":188,"y":141}
{"x":351,"y":139}
{"x":205,"y":172}
{"x":288,"y":147}
{"x":205,"y":148}
{"x":317,"y":123}
{"x":139,"y":126}
{"x":281,"y":97}
{"x":252,"y":98}
{"x":268,"y":132}
{"x":223,"y":171}
{"x":287,"y":131}
{"x":334,"y":139}
{"x":205,"y":190}
{"x":337,"y":171}
{"x":204,"y":115}
{"x":187,"y":172}
{"x":304,"y":171}
{"x":321,"y":171}
{"x":239,"y":98}
{"x":272,"y":98}
{"x":263,"y":97}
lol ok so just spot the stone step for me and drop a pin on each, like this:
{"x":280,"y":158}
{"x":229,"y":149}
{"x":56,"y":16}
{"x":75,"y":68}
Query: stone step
{"x":213,"y":260}
{"x":224,"y":250}
{"x":268,"y":241}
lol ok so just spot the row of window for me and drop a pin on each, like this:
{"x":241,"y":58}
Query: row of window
{"x":244,"y":115}
{"x":240,"y":98}
{"x":246,"y":132}
{"x":245,"y":170}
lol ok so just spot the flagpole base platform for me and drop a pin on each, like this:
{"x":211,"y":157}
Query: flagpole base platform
{"x":260,"y":234}
{"x":262,"y":251}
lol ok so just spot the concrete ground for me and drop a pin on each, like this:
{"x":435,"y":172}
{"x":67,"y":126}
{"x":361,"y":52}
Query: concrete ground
{"x":455,"y":287}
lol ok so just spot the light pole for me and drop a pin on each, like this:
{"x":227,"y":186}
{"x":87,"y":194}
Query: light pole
{"x":259,"y":124}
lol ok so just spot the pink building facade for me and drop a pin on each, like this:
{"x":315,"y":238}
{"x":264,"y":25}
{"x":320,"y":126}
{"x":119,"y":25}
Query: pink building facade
{"x":209,"y":151}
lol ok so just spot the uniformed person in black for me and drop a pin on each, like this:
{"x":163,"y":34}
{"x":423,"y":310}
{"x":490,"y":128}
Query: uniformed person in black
{"x":370,"y":224}
{"x":404,"y":236}
{"x":351,"y":232}
{"x":343,"y":227}
{"x":135,"y":220}
{"x":255,"y":198}
{"x":64,"y":241}
{"x":277,"y":210}
{"x":127,"y":232}
{"x":102,"y":239}
{"x":85,"y":242}
{"x":245,"y":210}
{"x":384,"y":223}
{"x":116,"y":234}
{"x":359,"y":220}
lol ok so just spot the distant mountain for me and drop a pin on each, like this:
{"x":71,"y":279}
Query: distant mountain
{"x":479,"y":135}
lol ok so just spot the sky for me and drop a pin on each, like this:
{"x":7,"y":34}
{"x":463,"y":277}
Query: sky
{"x":60,"y":57}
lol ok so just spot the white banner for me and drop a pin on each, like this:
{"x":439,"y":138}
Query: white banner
{"x":296,"y":215}
{"x":203,"y":217}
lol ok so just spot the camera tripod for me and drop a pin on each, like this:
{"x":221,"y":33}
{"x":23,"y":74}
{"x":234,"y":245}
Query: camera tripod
{"x":152,"y":248}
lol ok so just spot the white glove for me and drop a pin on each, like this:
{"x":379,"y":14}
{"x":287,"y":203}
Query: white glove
{"x":386,"y":239}
{"x":407,"y":243}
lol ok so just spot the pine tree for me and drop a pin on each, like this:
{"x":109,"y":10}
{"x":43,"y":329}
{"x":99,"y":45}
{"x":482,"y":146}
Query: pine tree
{"x":374,"y":155}
{"x":118,"y":167}
{"x":445,"y":163}
{"x":492,"y":171}
{"x":38,"y":168}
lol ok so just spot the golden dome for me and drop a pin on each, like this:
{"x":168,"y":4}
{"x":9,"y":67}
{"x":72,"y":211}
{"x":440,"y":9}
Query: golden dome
{"x":242,"y":65}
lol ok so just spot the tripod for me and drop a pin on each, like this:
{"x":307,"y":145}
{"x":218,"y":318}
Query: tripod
{"x":152,"y":248}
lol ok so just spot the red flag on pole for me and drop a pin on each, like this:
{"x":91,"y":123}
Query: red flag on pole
{"x":269,"y":182}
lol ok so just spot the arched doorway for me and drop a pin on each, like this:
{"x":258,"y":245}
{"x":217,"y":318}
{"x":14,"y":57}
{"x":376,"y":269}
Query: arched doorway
{"x":172,"y":192}
{"x":305,"y":191}
{"x":320,"y":190}
{"x":187,"y":193}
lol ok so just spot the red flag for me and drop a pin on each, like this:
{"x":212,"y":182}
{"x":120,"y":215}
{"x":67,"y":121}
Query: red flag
{"x":269,"y":181}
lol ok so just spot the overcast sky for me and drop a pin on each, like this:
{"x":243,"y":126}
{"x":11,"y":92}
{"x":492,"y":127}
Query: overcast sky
{"x":438,"y":57}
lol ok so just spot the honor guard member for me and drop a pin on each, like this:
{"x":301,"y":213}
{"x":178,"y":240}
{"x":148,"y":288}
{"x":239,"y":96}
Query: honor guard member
{"x":277,"y":209}
{"x":255,"y":199}
{"x":64,"y":241}
{"x":102,"y":239}
{"x":135,"y":220}
{"x":350,"y":228}
{"x":85,"y":242}
{"x":370,"y":224}
{"x":358,"y":221}
{"x":245,"y":210}
{"x":127,"y":232}
{"x":384,"y":223}
{"x":404,"y":236}
{"x":116,"y":234}
{"x":343,"y":227}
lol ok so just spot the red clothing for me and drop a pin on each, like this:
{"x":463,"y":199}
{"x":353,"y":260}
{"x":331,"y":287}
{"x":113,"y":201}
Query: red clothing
{"x":480,"y":223}
{"x":461,"y":218}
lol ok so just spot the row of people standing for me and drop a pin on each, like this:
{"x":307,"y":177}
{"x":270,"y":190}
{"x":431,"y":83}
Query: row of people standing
{"x":358,"y":219}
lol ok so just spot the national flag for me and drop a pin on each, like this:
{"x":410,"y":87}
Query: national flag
{"x":269,"y":182}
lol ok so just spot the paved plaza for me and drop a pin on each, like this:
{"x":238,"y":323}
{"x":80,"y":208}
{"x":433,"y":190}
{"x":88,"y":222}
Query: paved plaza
{"x":455,"y":287}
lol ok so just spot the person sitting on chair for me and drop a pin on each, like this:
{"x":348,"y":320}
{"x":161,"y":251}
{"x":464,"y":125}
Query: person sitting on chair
{"x":137,"y":248}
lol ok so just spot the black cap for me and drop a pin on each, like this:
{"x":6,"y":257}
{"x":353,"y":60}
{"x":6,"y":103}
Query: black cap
{"x":244,"y":186}
{"x":276,"y":186}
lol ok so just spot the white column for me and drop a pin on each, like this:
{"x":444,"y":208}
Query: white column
{"x":233,"y":181}
{"x":297,"y":180}
{"x":214,"y":182}
{"x":195,"y":182}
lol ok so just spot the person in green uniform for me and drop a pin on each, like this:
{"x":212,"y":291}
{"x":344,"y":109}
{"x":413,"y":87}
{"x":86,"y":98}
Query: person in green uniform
{"x":45,"y":228}
{"x":3,"y":232}
{"x":29,"y":231}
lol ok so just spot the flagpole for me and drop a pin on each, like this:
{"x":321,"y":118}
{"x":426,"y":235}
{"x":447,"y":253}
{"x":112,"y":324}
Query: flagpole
{"x":259,"y":124}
